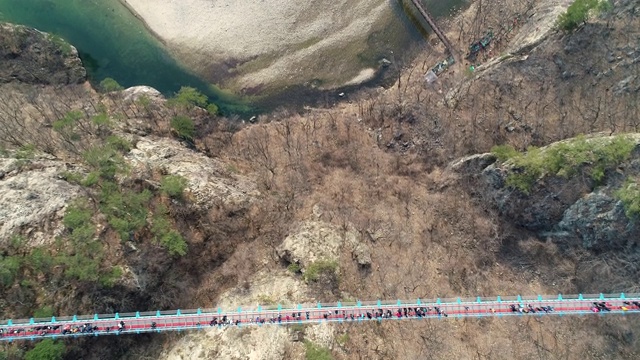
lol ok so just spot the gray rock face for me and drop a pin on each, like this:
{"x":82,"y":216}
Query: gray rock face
{"x":317,"y":240}
{"x":543,"y":208}
{"x":209,"y":180}
{"x":473,"y":163}
{"x":572,"y":208}
{"x":33,"y":57}
{"x":33,"y":199}
{"x":599,"y":221}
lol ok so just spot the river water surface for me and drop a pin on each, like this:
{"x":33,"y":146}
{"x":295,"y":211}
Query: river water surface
{"x":114,"y":43}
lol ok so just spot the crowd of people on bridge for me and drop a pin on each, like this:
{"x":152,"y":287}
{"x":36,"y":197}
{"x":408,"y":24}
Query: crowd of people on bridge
{"x":530,"y":309}
{"x":379,"y":314}
{"x":67,"y":329}
{"x":350,"y":314}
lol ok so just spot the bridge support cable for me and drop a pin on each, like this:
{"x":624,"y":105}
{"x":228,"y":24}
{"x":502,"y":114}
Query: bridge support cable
{"x":361,"y":311}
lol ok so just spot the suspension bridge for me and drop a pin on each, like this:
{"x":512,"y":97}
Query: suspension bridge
{"x":340,"y":312}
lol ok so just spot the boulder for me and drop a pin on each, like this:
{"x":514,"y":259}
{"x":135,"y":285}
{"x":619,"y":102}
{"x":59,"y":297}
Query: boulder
{"x":599,"y":222}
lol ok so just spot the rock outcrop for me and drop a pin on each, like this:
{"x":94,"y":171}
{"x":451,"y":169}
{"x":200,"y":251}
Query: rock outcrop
{"x":599,"y":220}
{"x":34,"y":57}
{"x":33,"y":199}
{"x":573,"y":208}
{"x":316,"y":240}
{"x":209,"y":180}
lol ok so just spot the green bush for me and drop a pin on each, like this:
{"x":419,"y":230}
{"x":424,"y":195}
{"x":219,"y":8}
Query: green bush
{"x":294,"y":268}
{"x":109,"y":279}
{"x":16,"y":242}
{"x":161,"y":223}
{"x":71,"y":177}
{"x":578,"y":13}
{"x":315,"y":352}
{"x":565,"y":159}
{"x":629,"y":195}
{"x":109,"y":85}
{"x":106,"y":160}
{"x":78,"y":214}
{"x":43,"y":312}
{"x":184,"y":127}
{"x":64,"y":47}
{"x":77,"y":220}
{"x":9,"y":268}
{"x":126,"y":210}
{"x":504,"y":152}
{"x":67,"y":122}
{"x":80,"y":267}
{"x":118,"y":143}
{"x":40,"y":260}
{"x":46,"y":349}
{"x":165,"y":235}
{"x":101,"y":119}
{"x":173,"y":185}
{"x":213,"y":109}
{"x":174,"y":243}
{"x":188,"y":97}
{"x":26,"y":151}
{"x":91,"y":179}
{"x":317,"y":268}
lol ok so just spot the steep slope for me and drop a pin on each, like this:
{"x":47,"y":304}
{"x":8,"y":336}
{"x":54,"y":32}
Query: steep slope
{"x":356,"y":202}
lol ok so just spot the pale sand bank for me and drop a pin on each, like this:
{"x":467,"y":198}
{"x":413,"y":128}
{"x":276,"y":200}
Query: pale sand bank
{"x":259,"y":43}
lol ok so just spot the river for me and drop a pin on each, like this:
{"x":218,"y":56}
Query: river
{"x":114,"y":43}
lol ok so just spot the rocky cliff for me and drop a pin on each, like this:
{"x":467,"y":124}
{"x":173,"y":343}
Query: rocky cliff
{"x":575,"y":201}
{"x":34,"y":57}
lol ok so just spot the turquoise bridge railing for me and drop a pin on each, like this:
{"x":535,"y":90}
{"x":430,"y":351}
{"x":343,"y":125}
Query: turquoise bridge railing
{"x":261,"y":315}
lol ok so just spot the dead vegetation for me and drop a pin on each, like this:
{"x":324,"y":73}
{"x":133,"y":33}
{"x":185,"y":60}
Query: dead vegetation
{"x":379,"y":165}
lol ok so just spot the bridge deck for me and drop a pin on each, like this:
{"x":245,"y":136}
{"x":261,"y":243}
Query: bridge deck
{"x":136,"y":323}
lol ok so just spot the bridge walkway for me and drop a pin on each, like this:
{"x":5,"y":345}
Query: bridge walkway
{"x":198,"y":319}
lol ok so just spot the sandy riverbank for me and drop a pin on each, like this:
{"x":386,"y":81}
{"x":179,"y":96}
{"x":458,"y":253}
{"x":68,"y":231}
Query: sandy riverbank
{"x":269,"y":43}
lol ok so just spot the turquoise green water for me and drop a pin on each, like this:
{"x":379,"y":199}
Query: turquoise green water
{"x":113,"y":43}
